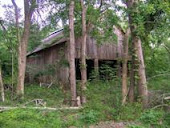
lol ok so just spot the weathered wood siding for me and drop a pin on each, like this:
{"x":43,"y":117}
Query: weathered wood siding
{"x":39,"y":61}
{"x":104,"y":51}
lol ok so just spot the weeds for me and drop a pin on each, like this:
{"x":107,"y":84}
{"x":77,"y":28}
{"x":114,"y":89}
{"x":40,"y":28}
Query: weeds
{"x":103,"y":104}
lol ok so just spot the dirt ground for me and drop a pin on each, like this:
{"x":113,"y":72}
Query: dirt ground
{"x":109,"y":124}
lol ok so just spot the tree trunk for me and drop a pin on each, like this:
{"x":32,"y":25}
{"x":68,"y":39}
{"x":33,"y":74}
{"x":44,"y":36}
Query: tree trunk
{"x":124,"y":68}
{"x":129,"y":5}
{"x":137,"y":48}
{"x":72,"y":76}
{"x":2,"y":87}
{"x":119,"y":68}
{"x":22,"y":48}
{"x":83,"y":54}
{"x":131,"y":93}
{"x":142,"y":84}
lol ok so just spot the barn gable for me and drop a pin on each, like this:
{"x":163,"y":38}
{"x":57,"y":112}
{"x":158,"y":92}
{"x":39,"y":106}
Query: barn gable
{"x":54,"y":52}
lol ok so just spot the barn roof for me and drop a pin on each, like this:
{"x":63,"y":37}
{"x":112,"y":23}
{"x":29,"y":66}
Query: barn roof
{"x":54,"y":38}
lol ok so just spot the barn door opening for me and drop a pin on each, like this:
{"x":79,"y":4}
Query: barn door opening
{"x":107,"y":69}
{"x":90,"y":68}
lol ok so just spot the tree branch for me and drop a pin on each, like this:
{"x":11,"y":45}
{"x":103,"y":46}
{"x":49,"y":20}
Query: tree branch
{"x":16,"y":13}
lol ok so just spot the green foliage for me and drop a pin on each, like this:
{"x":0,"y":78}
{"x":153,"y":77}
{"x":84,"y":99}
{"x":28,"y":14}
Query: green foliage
{"x":89,"y":116}
{"x":52,"y":96}
{"x":156,"y":58}
{"x":8,"y":52}
{"x":103,"y":25}
{"x":36,"y":35}
{"x":107,"y":72}
{"x":30,"y":118}
{"x":99,"y":24}
{"x":152,"y":117}
{"x":167,"y":118}
{"x":94,"y":75}
{"x":100,"y":98}
{"x":104,"y":103}
{"x":135,"y":126}
{"x":129,"y":111}
{"x":159,"y":83}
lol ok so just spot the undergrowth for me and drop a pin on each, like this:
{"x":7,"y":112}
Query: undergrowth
{"x":103,"y":104}
{"x":52,"y":96}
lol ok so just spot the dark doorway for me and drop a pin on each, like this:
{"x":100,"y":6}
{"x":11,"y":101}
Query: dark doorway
{"x":90,"y":68}
{"x":107,"y":69}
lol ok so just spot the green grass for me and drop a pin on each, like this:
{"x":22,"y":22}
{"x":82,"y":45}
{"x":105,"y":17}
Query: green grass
{"x":52,"y":96}
{"x":103,"y":104}
{"x":160,"y":83}
{"x":22,"y":118}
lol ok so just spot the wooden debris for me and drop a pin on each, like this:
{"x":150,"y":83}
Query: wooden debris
{"x":46,"y":84}
{"x":38,"y":102}
{"x":4,"y":108}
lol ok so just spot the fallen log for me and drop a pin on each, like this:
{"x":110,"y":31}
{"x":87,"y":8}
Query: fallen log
{"x":4,"y":108}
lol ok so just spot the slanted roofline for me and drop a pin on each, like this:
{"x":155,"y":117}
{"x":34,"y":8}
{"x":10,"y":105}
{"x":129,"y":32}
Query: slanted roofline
{"x":56,"y":37}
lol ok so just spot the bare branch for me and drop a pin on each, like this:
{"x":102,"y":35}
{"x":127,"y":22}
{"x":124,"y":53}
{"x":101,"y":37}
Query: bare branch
{"x":2,"y":25}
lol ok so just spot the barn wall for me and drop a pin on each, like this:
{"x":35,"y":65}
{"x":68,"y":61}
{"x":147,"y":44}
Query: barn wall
{"x":49,"y":59}
{"x":50,"y":56}
{"x":106,"y":51}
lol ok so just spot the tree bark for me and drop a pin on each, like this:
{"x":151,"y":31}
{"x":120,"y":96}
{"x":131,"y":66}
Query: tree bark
{"x":131,"y":94}
{"x":22,"y":48}
{"x":83,"y":54}
{"x":137,"y":48}
{"x":2,"y":87}
{"x":72,"y":76}
{"x":129,"y":5}
{"x":119,"y":68}
{"x":142,"y":84}
{"x":124,"y":68}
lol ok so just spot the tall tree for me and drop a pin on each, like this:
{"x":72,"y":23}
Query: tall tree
{"x":72,"y":76}
{"x":124,"y":67}
{"x":83,"y":53}
{"x":142,"y":84}
{"x":29,"y":7}
{"x":136,"y":45}
{"x":1,"y":80}
{"x":2,"y":87}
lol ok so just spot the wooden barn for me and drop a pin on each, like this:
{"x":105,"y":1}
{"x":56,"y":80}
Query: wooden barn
{"x":48,"y":62}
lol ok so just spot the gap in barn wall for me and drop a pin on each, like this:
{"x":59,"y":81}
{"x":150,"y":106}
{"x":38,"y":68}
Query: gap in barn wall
{"x":90,"y":68}
{"x":107,"y":69}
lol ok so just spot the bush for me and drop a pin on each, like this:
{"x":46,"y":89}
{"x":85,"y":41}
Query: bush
{"x":129,"y":112}
{"x":27,"y":118}
{"x":167,"y":119}
{"x":89,"y":116}
{"x":152,"y":117}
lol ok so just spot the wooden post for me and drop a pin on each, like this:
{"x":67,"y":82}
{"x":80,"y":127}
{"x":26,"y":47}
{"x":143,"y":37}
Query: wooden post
{"x":96,"y":67}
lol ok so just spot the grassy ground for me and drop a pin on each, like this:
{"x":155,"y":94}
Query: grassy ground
{"x":53,"y":96}
{"x":103,"y":105}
